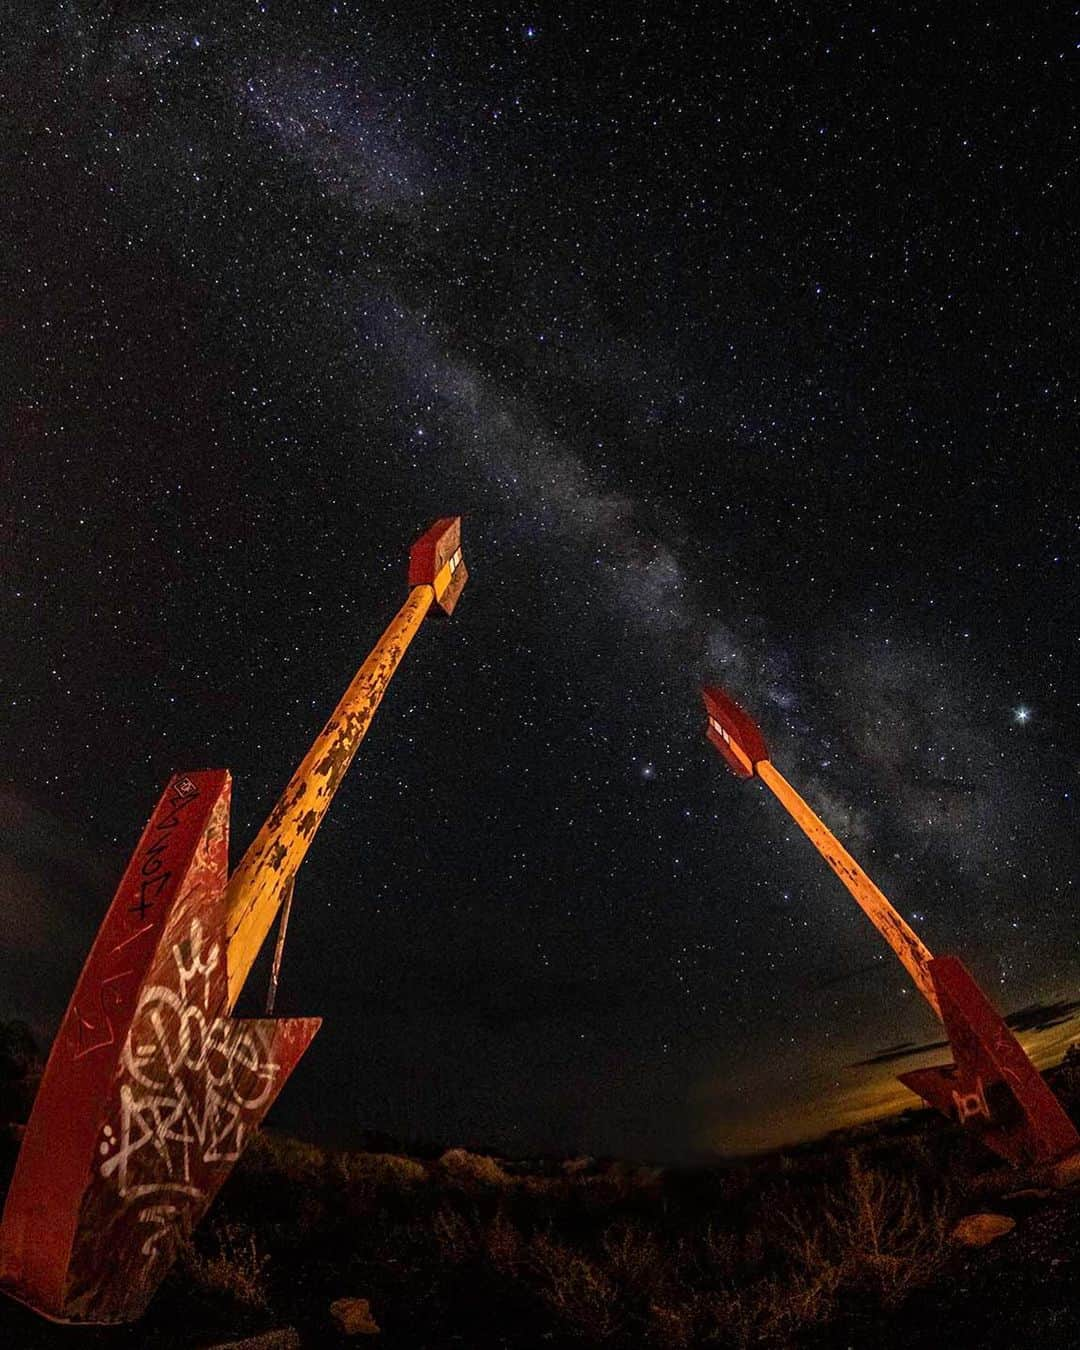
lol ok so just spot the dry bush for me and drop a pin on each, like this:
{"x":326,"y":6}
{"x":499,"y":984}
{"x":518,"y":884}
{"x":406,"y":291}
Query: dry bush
{"x":576,"y":1289}
{"x":636,"y":1177}
{"x":377,"y":1171}
{"x":759,"y":1315}
{"x":286,"y":1157}
{"x":878,"y":1233}
{"x":234,"y":1266}
{"x":632,"y":1256}
{"x":673,"y":1326}
{"x":595,"y":1194}
{"x":364,"y":1183}
{"x":718,"y":1257}
{"x":503,"y":1245}
{"x":719,"y":1251}
{"x":456,"y":1236}
{"x":770,"y":1311}
{"x":1066,"y":1080}
{"x":463,"y":1167}
{"x":466,"y":1237}
{"x":551,"y":1189}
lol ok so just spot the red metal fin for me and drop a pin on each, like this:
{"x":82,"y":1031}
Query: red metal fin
{"x":993,"y":1086}
{"x":436,"y":560}
{"x":150,"y":1091}
{"x":733,"y":732}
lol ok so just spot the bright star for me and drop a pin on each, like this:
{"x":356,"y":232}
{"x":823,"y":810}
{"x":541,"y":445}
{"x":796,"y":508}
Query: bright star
{"x":1021,"y":715}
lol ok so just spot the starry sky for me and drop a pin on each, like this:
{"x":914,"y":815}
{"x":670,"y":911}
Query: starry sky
{"x":742,"y":337}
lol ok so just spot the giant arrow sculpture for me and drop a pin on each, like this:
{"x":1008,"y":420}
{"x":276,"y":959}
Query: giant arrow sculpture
{"x":263,"y":879}
{"x":152,"y":1088}
{"x":992,"y":1087}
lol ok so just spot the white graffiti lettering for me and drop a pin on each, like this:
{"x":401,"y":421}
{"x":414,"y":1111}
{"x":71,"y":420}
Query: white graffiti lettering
{"x":190,"y":1082}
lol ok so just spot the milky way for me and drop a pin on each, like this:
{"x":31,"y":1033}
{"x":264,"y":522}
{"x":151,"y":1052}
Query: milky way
{"x":741,"y":339}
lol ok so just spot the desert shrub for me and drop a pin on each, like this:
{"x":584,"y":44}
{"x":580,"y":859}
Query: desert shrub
{"x":544,"y":1189}
{"x":390,"y":1170}
{"x":672,"y":1326}
{"x":279,"y":1186}
{"x":21,"y":1065}
{"x":1066,"y":1078}
{"x":19,"y":1054}
{"x":596,"y":1195}
{"x":232,"y":1265}
{"x":466,"y":1168}
{"x":755,"y":1256}
{"x":575,"y":1289}
{"x":503,"y":1244}
{"x":632,"y":1256}
{"x":878,"y":1233}
{"x":705,"y":1299}
{"x":456,"y":1235}
{"x":468,"y":1236}
{"x":636,"y":1177}
{"x":719,"y":1252}
{"x":769,"y":1312}
{"x":286,"y":1158}
{"x":875,"y":1234}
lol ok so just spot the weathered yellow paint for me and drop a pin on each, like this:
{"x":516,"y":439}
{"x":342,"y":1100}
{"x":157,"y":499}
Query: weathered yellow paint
{"x":901,"y":938}
{"x":735,"y":748}
{"x":261,"y":880}
{"x":443,"y":580}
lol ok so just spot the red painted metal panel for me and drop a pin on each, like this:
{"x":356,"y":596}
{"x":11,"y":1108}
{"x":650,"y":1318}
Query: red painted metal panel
{"x":738,"y":739}
{"x":437,"y":549}
{"x":993,"y":1087}
{"x":57,"y":1149}
{"x":150,"y":1090}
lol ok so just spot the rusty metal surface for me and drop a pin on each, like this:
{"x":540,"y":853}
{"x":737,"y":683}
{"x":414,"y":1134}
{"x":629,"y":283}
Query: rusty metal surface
{"x":992,"y":1088}
{"x":733,"y":732}
{"x":257,"y":887}
{"x":150,"y":1090}
{"x":188,"y":1102}
{"x":436,"y":560}
{"x":437,"y":575}
{"x":900,"y":936}
{"x":54,"y":1160}
{"x":736,"y":735}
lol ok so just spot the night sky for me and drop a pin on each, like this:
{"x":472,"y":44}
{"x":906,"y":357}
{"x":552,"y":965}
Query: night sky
{"x":743,"y":337}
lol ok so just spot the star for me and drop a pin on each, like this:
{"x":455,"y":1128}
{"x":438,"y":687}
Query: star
{"x":352,"y":291}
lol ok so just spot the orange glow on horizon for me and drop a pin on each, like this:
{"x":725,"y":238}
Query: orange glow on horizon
{"x":859,"y":1095}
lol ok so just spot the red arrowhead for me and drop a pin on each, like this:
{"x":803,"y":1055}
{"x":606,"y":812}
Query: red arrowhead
{"x":993,"y":1087}
{"x":151,"y":1091}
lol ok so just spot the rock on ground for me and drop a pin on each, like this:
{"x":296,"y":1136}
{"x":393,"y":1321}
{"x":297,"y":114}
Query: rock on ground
{"x":978,"y":1230}
{"x":353,"y":1316}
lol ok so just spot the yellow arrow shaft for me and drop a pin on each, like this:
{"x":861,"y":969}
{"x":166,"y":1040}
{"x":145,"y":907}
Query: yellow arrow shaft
{"x":904,"y":941}
{"x":258,"y":885}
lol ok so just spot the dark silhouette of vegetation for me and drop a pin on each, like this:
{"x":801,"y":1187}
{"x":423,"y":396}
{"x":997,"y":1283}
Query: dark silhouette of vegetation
{"x":845,"y":1242}
{"x":21,"y":1064}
